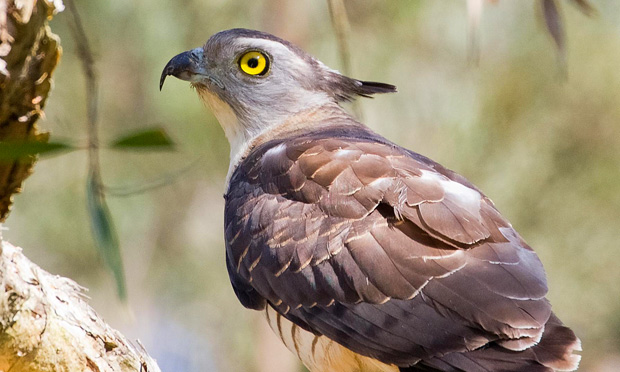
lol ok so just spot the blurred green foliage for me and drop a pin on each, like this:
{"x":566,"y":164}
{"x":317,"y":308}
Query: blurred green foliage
{"x":546,"y":150}
{"x":151,"y":139}
{"x":13,"y":150}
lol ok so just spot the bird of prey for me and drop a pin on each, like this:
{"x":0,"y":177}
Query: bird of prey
{"x":363,"y":255}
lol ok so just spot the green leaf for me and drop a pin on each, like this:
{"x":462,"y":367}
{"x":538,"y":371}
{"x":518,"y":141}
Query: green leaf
{"x":104,"y":233}
{"x":148,"y":139}
{"x":13,"y":150}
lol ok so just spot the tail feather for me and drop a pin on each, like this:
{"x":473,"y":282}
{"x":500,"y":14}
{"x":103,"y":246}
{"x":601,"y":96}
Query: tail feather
{"x":556,"y":348}
{"x":554,"y":352}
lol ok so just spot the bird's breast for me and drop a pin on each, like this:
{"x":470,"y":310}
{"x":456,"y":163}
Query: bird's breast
{"x":319,"y":353}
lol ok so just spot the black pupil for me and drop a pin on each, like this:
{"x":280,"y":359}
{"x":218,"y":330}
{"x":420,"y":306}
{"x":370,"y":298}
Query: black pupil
{"x":253,"y":62}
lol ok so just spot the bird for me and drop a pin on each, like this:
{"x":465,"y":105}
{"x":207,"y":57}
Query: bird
{"x":363,"y":255}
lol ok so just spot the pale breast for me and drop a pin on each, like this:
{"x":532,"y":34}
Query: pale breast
{"x":319,"y":353}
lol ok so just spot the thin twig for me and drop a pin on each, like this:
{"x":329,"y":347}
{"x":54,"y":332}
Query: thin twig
{"x":474,"y":12}
{"x":123,"y":191}
{"x":340,"y":22}
{"x":92,"y":83}
{"x":102,"y":226}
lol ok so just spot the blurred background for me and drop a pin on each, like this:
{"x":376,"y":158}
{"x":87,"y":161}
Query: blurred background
{"x":544,"y":148}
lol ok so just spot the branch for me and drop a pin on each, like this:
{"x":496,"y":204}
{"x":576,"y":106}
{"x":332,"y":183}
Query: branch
{"x":45,"y":322}
{"x":101,"y":222}
{"x":342,"y":28}
{"x":46,"y":325}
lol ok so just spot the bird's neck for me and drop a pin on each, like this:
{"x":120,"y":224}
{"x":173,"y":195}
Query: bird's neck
{"x":235,"y":132}
{"x":244,"y":135}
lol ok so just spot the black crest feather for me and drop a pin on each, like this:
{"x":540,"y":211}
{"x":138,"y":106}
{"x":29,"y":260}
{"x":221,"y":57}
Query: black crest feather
{"x":346,"y":89}
{"x":371,"y":87}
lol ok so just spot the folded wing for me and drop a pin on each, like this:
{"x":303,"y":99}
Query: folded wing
{"x":380,"y":249}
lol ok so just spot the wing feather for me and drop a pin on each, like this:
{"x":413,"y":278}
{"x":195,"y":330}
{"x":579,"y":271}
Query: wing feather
{"x":379,"y":249}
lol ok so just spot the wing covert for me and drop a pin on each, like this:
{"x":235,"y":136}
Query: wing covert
{"x":375,"y":247}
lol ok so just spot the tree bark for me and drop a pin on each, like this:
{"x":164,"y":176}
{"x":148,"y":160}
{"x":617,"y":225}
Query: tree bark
{"x":29,"y":52}
{"x":46,"y":325}
{"x":45,"y":322}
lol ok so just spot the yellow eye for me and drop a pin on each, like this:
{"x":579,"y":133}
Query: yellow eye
{"x":254,"y":63}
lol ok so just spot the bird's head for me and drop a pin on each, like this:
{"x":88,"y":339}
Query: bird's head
{"x":253,"y":80}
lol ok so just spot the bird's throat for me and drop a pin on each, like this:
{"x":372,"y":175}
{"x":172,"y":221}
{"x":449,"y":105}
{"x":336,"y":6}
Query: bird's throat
{"x":243,"y":137}
{"x":237,"y":135}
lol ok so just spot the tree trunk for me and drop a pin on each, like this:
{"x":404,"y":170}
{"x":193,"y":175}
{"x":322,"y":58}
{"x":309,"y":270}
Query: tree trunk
{"x":29,"y":53}
{"x":45,"y":322}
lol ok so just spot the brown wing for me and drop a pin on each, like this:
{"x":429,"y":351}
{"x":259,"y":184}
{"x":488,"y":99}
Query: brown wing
{"x":380,"y":249}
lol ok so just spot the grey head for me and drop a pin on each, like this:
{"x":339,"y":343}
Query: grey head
{"x":253,"y":80}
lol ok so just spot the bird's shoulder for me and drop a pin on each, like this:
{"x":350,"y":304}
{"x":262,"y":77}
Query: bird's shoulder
{"x":349,"y":171}
{"x":342,"y":228}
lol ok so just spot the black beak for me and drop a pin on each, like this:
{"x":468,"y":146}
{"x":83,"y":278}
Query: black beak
{"x":183,"y":66}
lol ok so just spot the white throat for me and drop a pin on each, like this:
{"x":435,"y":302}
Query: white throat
{"x":242,"y":137}
{"x":238,"y":138}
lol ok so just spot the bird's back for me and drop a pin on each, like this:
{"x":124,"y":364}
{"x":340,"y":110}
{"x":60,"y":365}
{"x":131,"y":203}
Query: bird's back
{"x":353,"y":241}
{"x":356,"y":240}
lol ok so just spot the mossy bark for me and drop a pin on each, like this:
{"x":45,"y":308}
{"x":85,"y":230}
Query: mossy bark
{"x":29,"y":52}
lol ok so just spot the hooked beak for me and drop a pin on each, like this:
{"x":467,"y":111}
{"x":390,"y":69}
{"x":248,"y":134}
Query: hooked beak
{"x":188,"y":66}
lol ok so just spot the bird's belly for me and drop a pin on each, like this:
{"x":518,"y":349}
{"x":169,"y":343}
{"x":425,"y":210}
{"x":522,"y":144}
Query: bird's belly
{"x":319,"y":353}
